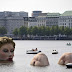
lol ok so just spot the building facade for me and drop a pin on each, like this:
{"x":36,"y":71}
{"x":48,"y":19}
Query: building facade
{"x":52,"y":19}
{"x":12,"y":20}
{"x":36,"y":13}
{"x":65,"y":19}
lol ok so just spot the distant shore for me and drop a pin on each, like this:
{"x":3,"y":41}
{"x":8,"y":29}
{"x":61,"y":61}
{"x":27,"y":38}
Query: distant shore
{"x":43,"y":38}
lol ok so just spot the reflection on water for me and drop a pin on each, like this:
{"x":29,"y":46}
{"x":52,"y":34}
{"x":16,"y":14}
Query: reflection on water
{"x":6,"y":63}
{"x":21,"y":60}
{"x":6,"y":66}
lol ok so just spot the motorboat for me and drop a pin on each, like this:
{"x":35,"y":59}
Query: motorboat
{"x":69,"y":65}
{"x":55,"y":52}
{"x":32,"y":52}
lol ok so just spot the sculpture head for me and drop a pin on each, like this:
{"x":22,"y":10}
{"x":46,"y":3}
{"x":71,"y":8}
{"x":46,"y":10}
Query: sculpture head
{"x":7,"y":47}
{"x":65,"y":58}
{"x":40,"y":59}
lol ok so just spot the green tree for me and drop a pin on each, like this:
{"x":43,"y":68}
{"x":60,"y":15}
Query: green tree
{"x":67,"y":31}
{"x":52,"y":29}
{"x":47,"y":31}
{"x":3,"y":30}
{"x":35,"y":30}
{"x":56,"y":30}
{"x":15,"y":31}
{"x":23,"y":31}
{"x":61,"y":30}
{"x":39,"y":31}
{"x":29,"y":30}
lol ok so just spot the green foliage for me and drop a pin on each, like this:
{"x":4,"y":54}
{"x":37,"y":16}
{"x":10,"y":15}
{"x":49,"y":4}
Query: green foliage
{"x":15,"y":31}
{"x":61,"y":30}
{"x":3,"y":30}
{"x":23,"y":30}
{"x":35,"y":30}
{"x":47,"y":31}
{"x":42,"y":31}
{"x":29,"y":30}
{"x":52,"y":30}
{"x":67,"y":31}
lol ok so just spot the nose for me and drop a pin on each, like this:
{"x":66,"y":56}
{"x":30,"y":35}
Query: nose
{"x":10,"y":54}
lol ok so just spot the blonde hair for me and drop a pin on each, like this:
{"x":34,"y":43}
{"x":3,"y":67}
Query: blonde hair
{"x":6,"y":40}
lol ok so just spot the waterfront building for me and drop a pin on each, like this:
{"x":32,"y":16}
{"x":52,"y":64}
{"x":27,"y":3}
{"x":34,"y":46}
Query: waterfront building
{"x":41,"y":21}
{"x":46,"y":19}
{"x":13,"y":14}
{"x":26,"y":21}
{"x":36,"y":13}
{"x":32,"y":22}
{"x":12,"y":20}
{"x":52,"y":19}
{"x":65,"y":19}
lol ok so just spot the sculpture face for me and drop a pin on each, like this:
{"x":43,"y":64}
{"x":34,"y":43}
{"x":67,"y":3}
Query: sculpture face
{"x":65,"y":58}
{"x":40,"y":59}
{"x":6,"y":52}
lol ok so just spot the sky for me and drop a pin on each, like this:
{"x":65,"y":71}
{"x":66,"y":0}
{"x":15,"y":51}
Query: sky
{"x":45,"y":6}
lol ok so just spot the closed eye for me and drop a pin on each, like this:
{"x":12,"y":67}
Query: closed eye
{"x":5,"y":50}
{"x":12,"y":50}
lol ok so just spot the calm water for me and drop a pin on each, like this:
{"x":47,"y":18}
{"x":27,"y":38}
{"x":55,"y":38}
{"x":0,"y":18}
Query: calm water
{"x":21,"y":61}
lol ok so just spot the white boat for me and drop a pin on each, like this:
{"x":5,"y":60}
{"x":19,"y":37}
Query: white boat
{"x":55,"y":52}
{"x":69,"y":65}
{"x":32,"y":52}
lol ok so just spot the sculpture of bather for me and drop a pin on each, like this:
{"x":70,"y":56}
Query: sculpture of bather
{"x":40,"y":59}
{"x":65,"y":58}
{"x":7,"y":47}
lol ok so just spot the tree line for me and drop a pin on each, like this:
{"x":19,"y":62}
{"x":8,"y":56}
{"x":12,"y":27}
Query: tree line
{"x":39,"y":31}
{"x":42,"y":31}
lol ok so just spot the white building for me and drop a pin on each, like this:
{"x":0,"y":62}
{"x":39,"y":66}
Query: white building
{"x":52,"y":19}
{"x":65,"y":19}
{"x":41,"y":21}
{"x":32,"y":21}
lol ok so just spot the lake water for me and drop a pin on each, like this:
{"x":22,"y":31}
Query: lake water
{"x":21,"y":60}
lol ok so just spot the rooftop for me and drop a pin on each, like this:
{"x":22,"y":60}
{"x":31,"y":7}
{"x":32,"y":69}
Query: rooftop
{"x":53,"y":14}
{"x":67,"y":13}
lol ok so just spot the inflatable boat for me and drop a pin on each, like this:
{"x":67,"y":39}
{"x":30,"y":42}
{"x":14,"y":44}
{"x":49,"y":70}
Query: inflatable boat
{"x":32,"y":52}
{"x":55,"y":52}
{"x":69,"y":65}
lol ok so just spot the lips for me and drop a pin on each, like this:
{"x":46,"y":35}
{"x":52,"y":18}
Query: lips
{"x":9,"y":59}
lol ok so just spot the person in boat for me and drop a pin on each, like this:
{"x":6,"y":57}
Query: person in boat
{"x":34,"y":49}
{"x":68,"y":43}
{"x":54,"y":50}
{"x":7,"y":47}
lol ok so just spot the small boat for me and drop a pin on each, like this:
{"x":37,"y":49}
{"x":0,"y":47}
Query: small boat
{"x":68,"y":44}
{"x":69,"y":65}
{"x":55,"y":52}
{"x":32,"y":52}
